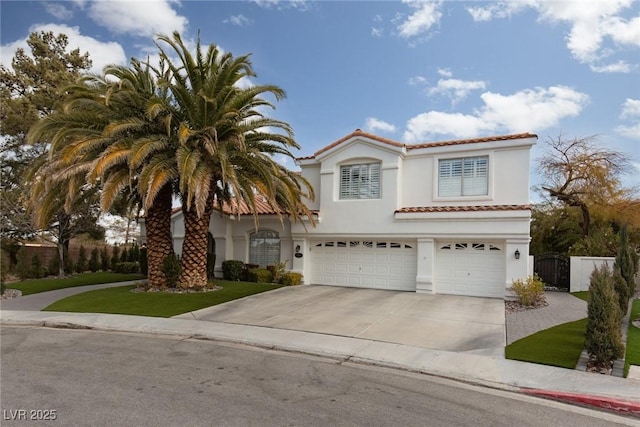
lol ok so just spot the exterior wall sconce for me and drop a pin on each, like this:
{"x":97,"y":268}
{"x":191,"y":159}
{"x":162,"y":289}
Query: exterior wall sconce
{"x":298,"y":254}
{"x":517,"y":254}
{"x":297,"y":248}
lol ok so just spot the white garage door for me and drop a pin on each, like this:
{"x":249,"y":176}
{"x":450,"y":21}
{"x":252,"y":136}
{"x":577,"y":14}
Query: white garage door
{"x":364,"y":264}
{"x":470,"y":268}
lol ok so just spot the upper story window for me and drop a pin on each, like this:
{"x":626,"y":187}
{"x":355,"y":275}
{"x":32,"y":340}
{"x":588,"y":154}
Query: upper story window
{"x":360,"y":181}
{"x":467,"y":176}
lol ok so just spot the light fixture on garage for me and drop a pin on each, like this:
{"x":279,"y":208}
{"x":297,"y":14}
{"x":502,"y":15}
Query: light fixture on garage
{"x":517,"y":254}
{"x":297,"y":248}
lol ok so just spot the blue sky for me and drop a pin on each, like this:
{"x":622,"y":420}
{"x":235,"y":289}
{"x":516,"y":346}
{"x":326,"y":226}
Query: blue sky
{"x":405,"y":70}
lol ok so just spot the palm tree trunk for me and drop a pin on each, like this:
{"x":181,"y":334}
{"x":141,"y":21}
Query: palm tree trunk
{"x":159,"y":240}
{"x":193,"y":272}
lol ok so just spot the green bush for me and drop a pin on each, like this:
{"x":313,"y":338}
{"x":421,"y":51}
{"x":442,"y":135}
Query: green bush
{"x":124,"y":256}
{"x":115,"y":257}
{"x":259,"y":275}
{"x":622,"y":290}
{"x":23,"y":267}
{"x":94,"y":264}
{"x":626,"y":265}
{"x":602,"y":338}
{"x":232,"y":270}
{"x":528,"y":291}
{"x":171,"y":270}
{"x":37,"y":271}
{"x":54,"y":265}
{"x":291,"y":279}
{"x":81,"y":265}
{"x":134,"y":253}
{"x":104,"y":259}
{"x":127,"y":267}
{"x":278,"y":269}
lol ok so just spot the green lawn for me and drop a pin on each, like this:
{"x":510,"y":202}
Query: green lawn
{"x":583,"y":295}
{"x":120,"y":300}
{"x":558,"y":346}
{"x":35,"y":286}
{"x":632,"y":356}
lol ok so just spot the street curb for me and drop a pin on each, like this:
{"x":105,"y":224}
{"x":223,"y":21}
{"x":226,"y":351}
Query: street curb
{"x":617,"y":405}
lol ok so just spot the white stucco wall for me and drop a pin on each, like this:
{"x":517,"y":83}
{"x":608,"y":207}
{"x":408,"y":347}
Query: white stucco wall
{"x":581,"y":269}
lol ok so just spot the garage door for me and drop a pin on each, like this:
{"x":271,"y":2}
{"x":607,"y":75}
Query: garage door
{"x":364,"y":264}
{"x":470,"y":268}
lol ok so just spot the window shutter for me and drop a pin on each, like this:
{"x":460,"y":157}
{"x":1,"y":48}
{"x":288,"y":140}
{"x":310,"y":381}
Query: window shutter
{"x":360,"y":181}
{"x":450,"y":178}
{"x":463,"y":177}
{"x":475,"y":181}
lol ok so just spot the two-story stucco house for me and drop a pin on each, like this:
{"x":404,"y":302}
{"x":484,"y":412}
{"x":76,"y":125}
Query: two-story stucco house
{"x":446,"y":217}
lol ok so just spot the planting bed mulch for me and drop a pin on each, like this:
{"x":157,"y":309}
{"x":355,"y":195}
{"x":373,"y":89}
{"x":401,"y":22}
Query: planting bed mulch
{"x":515,"y":306}
{"x":175,"y":290}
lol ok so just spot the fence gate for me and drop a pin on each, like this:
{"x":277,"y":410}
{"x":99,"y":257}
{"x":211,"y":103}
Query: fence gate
{"x":553,"y":269}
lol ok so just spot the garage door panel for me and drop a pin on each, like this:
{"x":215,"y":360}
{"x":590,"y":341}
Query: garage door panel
{"x":363,"y":263}
{"x":465,"y":268}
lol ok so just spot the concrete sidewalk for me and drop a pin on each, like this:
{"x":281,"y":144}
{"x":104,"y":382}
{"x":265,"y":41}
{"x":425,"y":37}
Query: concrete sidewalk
{"x":562,"y":384}
{"x":39,"y":301}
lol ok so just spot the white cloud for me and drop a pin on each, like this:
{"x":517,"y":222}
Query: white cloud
{"x":456,"y":89}
{"x":529,"y":110}
{"x":301,"y":5}
{"x":238,"y":20}
{"x":100,"y":53}
{"x":139,"y":18}
{"x":58,"y":10}
{"x":631,"y":112}
{"x":618,"y":67}
{"x":445,"y":72}
{"x":372,"y":125}
{"x":591,"y":25}
{"x":426,"y":14}
{"x":377,"y":31}
{"x":632,"y":131}
{"x":503,"y":9}
{"x":417,"y":80}
{"x":630,"y":109}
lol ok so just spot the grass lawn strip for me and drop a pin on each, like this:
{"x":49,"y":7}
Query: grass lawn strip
{"x":35,"y":286}
{"x":558,"y":346}
{"x":120,"y":300}
{"x":632,"y":356}
{"x":583,"y":295}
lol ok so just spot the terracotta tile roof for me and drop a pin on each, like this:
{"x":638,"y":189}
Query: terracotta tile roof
{"x":242,"y":208}
{"x":359,"y":132}
{"x":472,"y":141}
{"x":482,"y":208}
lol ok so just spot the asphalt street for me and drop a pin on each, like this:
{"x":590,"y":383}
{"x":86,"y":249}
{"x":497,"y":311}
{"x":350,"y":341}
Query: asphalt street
{"x":84,"y":377}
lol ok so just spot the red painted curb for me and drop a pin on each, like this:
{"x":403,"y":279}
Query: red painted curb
{"x":611,"y":404}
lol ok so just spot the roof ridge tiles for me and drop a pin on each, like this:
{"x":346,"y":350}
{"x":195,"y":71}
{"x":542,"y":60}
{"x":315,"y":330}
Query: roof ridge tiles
{"x":359,"y":132}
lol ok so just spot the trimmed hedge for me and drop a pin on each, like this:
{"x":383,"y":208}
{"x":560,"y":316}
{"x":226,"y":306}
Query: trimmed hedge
{"x":127,"y":267}
{"x":260,"y":275}
{"x":232,"y":270}
{"x":291,"y":279}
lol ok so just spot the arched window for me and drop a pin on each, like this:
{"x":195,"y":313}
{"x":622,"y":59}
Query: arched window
{"x":264,"y":248}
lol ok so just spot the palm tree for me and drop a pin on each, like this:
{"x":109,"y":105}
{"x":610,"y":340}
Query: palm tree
{"x":113,"y":130}
{"x":225,"y":145}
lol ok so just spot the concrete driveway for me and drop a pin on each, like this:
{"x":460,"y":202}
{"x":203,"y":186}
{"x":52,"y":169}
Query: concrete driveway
{"x":441,"y":322}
